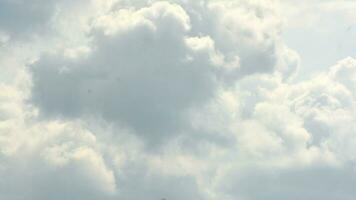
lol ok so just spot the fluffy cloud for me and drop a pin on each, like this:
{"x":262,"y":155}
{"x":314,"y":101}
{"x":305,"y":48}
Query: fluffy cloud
{"x":48,"y":160}
{"x":111,"y":81}
{"x":154,"y":61}
{"x":167,"y":100}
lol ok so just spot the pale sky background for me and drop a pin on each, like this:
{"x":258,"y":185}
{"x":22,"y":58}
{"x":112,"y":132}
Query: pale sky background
{"x":321,"y":32}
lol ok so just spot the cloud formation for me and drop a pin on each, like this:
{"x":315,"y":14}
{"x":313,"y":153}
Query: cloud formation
{"x":167,"y":100}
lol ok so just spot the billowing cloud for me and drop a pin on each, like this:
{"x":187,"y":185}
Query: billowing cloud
{"x":170,"y":100}
{"x":146,"y":67}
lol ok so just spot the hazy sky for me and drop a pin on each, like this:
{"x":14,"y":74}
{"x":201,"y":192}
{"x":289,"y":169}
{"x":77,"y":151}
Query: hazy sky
{"x":177,"y":100}
{"x":320,"y":32}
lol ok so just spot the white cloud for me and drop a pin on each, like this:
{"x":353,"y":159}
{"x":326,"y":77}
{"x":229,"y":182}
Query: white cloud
{"x":167,"y":100}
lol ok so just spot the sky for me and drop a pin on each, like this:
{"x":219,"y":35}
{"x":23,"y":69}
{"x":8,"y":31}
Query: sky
{"x":177,"y":99}
{"x":321,"y":38}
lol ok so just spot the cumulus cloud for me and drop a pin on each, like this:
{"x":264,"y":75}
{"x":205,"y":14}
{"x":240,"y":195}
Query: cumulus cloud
{"x":149,"y":61}
{"x":167,"y":100}
{"x":111,"y":81}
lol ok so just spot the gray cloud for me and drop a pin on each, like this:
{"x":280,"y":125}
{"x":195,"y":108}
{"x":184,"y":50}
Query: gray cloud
{"x":22,"y":18}
{"x":309,"y":183}
{"x":142,"y":77}
{"x":144,"y":69}
{"x":168,"y":100}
